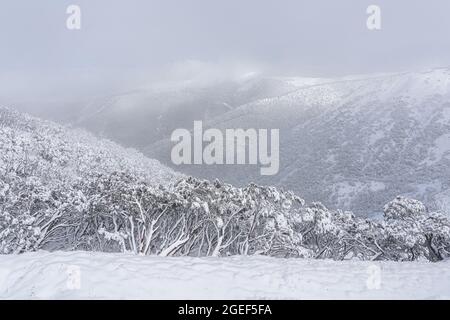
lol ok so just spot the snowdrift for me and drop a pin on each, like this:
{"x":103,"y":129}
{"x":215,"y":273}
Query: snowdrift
{"x":88,"y":275}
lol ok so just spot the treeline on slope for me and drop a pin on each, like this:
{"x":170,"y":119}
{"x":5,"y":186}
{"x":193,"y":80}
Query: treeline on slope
{"x":120,"y":213}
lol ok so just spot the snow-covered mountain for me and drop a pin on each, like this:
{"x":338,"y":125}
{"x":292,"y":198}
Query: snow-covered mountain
{"x":147,"y":115}
{"x":353,"y":142}
{"x":60,"y":155}
{"x":350,"y":143}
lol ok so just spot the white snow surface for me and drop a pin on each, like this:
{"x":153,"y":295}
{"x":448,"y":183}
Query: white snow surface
{"x":89,"y":275}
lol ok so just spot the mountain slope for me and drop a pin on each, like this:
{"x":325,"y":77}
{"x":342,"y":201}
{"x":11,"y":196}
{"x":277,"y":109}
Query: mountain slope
{"x":144,"y":116}
{"x":57,"y":154}
{"x":351,"y":143}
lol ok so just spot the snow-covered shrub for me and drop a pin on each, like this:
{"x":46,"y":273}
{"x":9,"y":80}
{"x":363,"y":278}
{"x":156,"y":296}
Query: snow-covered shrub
{"x":436,"y":228}
{"x":336,"y":235}
{"x":250,"y":220}
{"x":403,"y":208}
{"x":194,"y":218}
{"x":412,"y":234}
{"x":136,"y":217}
{"x":31,"y":214}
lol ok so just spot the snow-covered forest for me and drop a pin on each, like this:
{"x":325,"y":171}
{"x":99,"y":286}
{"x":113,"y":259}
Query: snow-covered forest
{"x":64,"y":189}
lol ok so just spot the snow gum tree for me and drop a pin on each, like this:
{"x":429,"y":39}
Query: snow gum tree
{"x":411,"y":233}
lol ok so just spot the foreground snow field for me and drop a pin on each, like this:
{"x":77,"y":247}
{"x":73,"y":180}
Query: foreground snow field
{"x":87,"y":275}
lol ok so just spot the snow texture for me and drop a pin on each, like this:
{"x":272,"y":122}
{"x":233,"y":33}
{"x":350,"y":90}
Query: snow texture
{"x":89,"y":275}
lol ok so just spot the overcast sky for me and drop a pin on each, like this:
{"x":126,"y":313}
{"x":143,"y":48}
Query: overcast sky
{"x":124,"y":42}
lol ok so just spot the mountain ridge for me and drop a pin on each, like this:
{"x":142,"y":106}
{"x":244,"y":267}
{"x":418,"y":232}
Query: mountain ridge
{"x":351,"y":142}
{"x":355,"y":119}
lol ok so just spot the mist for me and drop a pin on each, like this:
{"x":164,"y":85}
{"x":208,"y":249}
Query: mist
{"x":122,"y":45}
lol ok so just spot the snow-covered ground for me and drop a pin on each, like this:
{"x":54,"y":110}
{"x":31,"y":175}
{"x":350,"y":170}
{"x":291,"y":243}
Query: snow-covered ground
{"x":87,"y":275}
